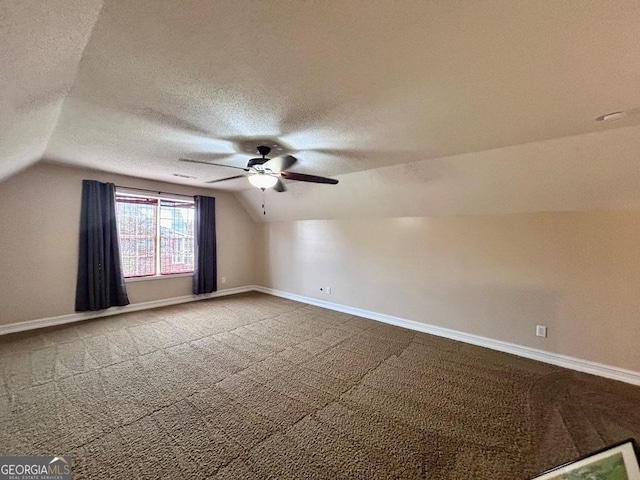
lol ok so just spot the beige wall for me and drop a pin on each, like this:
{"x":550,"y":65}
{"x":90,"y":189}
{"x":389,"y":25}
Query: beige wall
{"x":39,"y":225}
{"x":495,"y":276}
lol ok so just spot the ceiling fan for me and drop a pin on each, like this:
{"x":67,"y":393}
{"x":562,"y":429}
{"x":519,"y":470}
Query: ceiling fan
{"x":264,"y":173}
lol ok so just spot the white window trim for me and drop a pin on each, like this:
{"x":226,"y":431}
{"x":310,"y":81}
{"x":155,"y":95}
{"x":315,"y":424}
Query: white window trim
{"x":132,"y":192}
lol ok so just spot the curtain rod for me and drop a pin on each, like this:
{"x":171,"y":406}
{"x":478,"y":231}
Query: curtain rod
{"x":153,"y":191}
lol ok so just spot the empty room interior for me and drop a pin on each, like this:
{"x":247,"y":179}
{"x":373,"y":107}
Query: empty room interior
{"x":341,"y":239}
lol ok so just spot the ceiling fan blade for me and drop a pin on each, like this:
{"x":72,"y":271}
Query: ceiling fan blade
{"x":279,"y":186}
{"x":279,"y":164}
{"x":303,"y":177}
{"x":225,"y":179}
{"x":214,"y":164}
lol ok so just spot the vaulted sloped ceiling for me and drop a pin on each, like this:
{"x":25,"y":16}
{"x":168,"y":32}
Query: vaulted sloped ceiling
{"x":41,"y":43}
{"x":417,"y":107}
{"x":593,"y":171}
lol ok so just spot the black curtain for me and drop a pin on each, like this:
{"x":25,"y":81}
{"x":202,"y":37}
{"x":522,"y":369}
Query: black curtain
{"x":100,"y":282}
{"x":205,"y":275}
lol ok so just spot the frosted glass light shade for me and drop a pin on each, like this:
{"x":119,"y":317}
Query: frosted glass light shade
{"x":262,"y":180}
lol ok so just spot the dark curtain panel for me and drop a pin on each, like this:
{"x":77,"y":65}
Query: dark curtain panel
{"x":205,"y":275}
{"x":100,"y":280}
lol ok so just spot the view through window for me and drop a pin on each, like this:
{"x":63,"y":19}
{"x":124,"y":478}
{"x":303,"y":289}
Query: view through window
{"x":156,"y":235}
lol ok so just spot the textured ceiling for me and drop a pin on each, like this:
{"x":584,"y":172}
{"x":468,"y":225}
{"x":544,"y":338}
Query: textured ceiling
{"x":594,"y":171}
{"x":41,"y":43}
{"x":365,"y":91}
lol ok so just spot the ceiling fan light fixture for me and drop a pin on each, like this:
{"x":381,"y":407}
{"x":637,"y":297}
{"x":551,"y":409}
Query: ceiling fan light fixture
{"x":266,"y":172}
{"x":262,"y":180}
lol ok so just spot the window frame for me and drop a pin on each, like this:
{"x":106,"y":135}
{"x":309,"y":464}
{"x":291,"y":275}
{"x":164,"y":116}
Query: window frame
{"x":159,"y":197}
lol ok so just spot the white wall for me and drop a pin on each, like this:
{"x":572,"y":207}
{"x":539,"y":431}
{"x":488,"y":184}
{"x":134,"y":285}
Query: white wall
{"x":495,"y":276}
{"x":39,"y":230}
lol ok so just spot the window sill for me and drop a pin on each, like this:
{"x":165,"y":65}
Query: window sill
{"x":158,"y":277}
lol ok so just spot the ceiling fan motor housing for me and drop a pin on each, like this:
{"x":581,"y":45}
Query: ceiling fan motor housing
{"x":262,"y":150}
{"x":256,"y":161}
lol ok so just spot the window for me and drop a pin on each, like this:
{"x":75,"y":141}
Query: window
{"x":156,"y":234}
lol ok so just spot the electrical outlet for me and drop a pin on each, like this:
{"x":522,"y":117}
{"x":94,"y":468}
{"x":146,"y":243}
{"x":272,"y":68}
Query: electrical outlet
{"x":328,"y":290}
{"x":541,"y":331}
{"x":223,"y":280}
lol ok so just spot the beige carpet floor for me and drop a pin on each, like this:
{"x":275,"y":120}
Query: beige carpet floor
{"x":254,"y":386}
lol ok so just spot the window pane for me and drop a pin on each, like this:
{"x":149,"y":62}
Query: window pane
{"x":176,"y":236}
{"x":137,"y":230}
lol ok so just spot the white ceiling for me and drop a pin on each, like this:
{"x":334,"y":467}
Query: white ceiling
{"x":386,"y":96}
{"x":41,"y":43}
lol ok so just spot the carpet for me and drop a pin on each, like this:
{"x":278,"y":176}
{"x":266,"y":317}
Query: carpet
{"x":253,"y":386}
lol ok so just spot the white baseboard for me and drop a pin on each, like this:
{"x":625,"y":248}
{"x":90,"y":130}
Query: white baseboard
{"x":586,"y":366}
{"x":134,"y":307}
